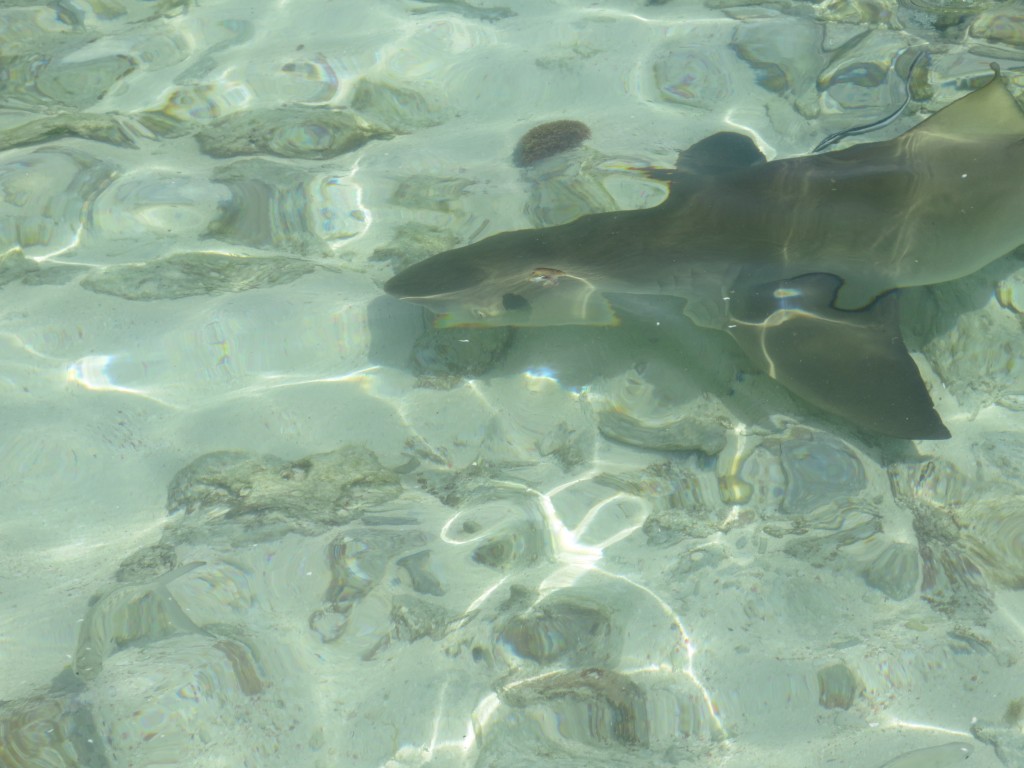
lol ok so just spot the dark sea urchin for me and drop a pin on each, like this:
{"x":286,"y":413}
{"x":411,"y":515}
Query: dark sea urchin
{"x":547,"y":139}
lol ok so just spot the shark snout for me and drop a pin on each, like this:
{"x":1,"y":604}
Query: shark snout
{"x":429,"y":279}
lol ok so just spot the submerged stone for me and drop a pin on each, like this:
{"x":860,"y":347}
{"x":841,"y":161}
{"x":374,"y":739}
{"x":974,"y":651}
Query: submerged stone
{"x":838,"y":687}
{"x":401,"y":108}
{"x":282,"y":206}
{"x":242,"y":497}
{"x":895,"y":572}
{"x":194,"y":274}
{"x":107,"y":128}
{"x":82,"y":83}
{"x":306,"y":133}
{"x":596,"y":705}
{"x":14,"y":266}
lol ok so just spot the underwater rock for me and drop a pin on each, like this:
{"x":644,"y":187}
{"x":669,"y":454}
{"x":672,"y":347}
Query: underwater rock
{"x":999,"y":26}
{"x":53,"y":274}
{"x":359,"y":559}
{"x":784,"y":64}
{"x":947,"y":7}
{"x":439,"y":194}
{"x":356,"y":566}
{"x":14,"y":266}
{"x":503,"y":528}
{"x":570,"y":447}
{"x":927,"y":485}
{"x":240,"y":497}
{"x":306,"y":133}
{"x":1000,"y":460}
{"x":804,"y":475}
{"x":838,"y":687}
{"x":692,"y":75}
{"x":418,"y":568}
{"x":820,"y":541}
{"x":194,"y":274}
{"x":687,"y":433}
{"x":414,"y":618}
{"x":403,"y":109}
{"x":281,"y":206}
{"x":895,"y":571}
{"x":565,"y":632}
{"x":128,"y":12}
{"x":637,"y":408}
{"x":521,"y":544}
{"x":995,"y":537}
{"x":951,"y":580}
{"x":184,"y":107}
{"x":819,"y":468}
{"x":752,"y":11}
{"x":874,"y":12}
{"x":147,"y":563}
{"x":594,"y":705}
{"x":865,"y":75}
{"x":1006,"y":739}
{"x":548,"y":139}
{"x":80,"y":84}
{"x":684,"y":505}
{"x":1010,"y":292}
{"x":107,"y":128}
{"x":979,"y":357}
{"x":48,"y":195}
{"x":148,"y":204}
{"x":867,"y":86}
{"x":129,"y":615}
{"x":566,"y":714}
{"x":463,"y":8}
{"x":152,"y":702}
{"x":48,"y":733}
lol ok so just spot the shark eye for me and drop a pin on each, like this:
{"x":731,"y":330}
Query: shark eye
{"x":513,"y":302}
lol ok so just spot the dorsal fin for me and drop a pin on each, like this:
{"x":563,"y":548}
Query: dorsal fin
{"x":989,"y":111}
{"x":720,"y":153}
{"x":715,"y":154}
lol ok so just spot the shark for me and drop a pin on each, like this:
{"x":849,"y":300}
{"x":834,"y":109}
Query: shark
{"x":801,"y":260}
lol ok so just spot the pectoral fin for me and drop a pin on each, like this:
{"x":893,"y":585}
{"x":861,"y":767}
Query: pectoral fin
{"x":719,"y":153}
{"x":852,"y":364}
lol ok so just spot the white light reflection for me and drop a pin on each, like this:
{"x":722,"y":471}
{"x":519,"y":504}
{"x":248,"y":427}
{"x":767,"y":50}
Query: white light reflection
{"x":92,"y":373}
{"x":578,"y":544}
{"x":579,"y":558}
{"x":463,"y":748}
{"x":675,"y":21}
{"x":359,"y":376}
{"x":60,"y":250}
{"x":541,"y":373}
{"x":895,"y":722}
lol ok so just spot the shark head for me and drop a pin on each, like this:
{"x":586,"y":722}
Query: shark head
{"x":510,"y":279}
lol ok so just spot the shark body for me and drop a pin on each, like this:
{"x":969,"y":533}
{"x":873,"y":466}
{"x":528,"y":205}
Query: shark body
{"x":798,"y":259}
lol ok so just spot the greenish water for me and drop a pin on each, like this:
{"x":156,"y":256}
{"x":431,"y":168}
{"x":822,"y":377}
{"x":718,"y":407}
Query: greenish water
{"x":255,"y":513}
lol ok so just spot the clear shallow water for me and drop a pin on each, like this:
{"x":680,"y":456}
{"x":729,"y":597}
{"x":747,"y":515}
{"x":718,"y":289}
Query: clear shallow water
{"x":255,"y":514}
